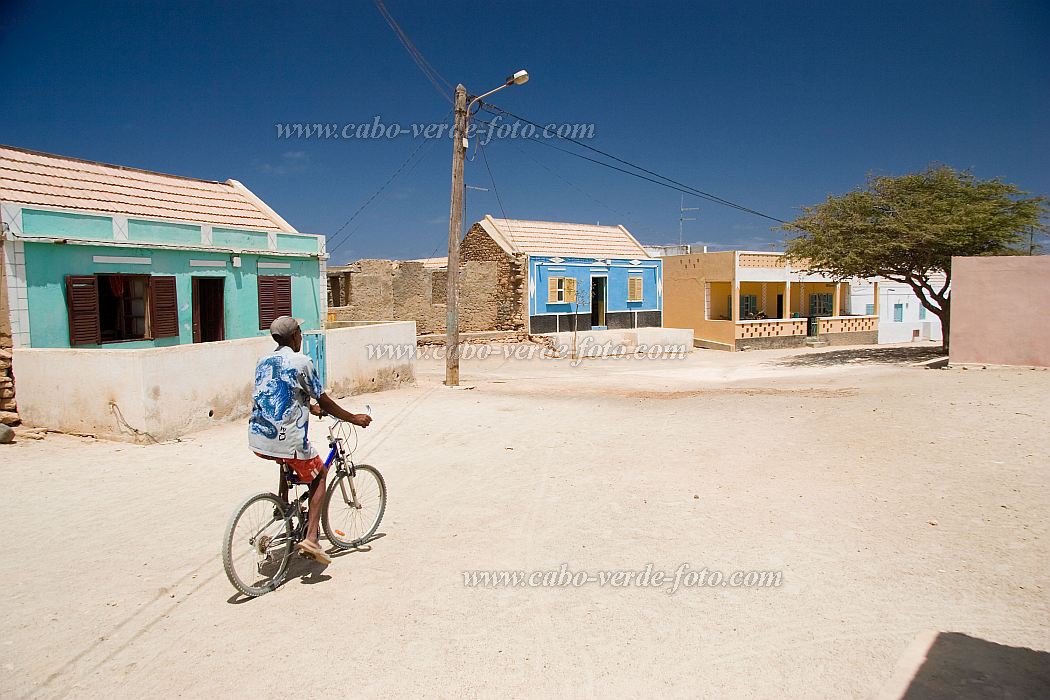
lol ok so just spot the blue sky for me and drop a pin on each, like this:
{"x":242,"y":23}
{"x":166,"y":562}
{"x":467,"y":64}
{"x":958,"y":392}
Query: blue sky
{"x":769,"y":104}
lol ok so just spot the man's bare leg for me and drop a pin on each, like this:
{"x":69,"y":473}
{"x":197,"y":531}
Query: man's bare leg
{"x":316,"y":503}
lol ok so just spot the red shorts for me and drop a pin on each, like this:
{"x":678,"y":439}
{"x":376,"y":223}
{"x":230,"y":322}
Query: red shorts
{"x":305,"y":469}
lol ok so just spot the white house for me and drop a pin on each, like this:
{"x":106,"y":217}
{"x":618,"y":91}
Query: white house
{"x":902,"y":317}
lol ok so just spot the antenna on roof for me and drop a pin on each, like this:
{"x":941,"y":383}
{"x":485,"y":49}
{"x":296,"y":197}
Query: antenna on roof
{"x":682,"y":209}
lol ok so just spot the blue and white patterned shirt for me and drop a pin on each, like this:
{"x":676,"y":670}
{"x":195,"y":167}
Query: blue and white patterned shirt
{"x":285,"y":381}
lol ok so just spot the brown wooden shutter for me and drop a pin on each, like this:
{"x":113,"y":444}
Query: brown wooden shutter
{"x":570,"y":289}
{"x":634,"y":288}
{"x":82,"y":307}
{"x":275,"y":299}
{"x":195,"y":302}
{"x":552,"y":290}
{"x":164,"y":307}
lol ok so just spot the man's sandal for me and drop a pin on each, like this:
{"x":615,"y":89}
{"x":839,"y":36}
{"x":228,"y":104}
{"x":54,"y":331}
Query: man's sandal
{"x":311,"y":550}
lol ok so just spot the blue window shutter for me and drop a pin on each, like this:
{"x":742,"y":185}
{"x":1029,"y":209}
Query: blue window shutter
{"x":869,"y":310}
{"x":898,"y":312}
{"x":922,"y":313}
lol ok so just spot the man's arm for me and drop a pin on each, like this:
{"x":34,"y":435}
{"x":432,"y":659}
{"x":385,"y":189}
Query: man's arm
{"x":328,"y":405}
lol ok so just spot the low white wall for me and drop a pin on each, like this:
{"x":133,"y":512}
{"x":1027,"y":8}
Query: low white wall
{"x":164,"y":393}
{"x":626,"y":341}
{"x":370,"y":358}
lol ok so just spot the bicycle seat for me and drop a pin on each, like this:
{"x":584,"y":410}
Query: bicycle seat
{"x":289,"y":474}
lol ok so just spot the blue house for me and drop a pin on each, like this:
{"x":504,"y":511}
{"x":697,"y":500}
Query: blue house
{"x":99,"y":255}
{"x":557,"y":277}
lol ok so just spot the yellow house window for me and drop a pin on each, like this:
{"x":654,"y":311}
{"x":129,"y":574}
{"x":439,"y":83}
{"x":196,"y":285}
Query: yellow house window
{"x":561,"y":290}
{"x":634,"y":288}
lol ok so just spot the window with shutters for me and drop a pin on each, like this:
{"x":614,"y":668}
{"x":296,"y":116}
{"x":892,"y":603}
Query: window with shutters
{"x":123,"y":307}
{"x":118,"y":308}
{"x":748,"y":306}
{"x":275,"y":299}
{"x":820,"y":304}
{"x":561,"y":290}
{"x":635,"y":286}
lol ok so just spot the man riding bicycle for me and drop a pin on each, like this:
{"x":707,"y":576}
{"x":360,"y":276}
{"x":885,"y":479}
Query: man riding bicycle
{"x":285,"y":382}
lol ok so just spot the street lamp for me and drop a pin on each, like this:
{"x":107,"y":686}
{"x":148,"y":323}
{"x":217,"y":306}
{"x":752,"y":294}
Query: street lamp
{"x":455,"y":221}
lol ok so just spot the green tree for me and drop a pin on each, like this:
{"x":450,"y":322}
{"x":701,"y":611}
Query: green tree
{"x":907,"y":229}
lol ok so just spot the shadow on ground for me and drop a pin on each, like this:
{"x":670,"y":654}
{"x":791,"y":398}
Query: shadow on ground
{"x":964,"y":667}
{"x":863,"y":356}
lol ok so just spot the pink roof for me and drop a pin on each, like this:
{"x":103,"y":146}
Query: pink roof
{"x":33,"y":178}
{"x":560,"y":238}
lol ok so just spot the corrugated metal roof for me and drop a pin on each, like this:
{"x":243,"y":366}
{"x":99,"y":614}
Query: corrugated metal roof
{"x":30,"y":177}
{"x":560,"y":238}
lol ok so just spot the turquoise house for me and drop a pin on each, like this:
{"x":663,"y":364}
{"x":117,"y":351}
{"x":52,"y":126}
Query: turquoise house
{"x":99,"y":255}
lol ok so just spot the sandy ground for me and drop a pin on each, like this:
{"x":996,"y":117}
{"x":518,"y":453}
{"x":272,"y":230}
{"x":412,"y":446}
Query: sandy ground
{"x":897,"y":502}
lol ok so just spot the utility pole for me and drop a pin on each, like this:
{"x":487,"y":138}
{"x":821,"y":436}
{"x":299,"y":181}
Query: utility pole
{"x":455,"y":226}
{"x":682,"y":209}
{"x":455,"y":219}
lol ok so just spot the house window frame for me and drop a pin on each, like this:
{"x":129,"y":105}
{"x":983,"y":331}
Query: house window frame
{"x":825,"y":300}
{"x":147,"y":312}
{"x":639,"y":280}
{"x":748,"y":300}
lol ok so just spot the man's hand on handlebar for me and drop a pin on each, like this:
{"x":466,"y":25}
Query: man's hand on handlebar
{"x":326,"y":406}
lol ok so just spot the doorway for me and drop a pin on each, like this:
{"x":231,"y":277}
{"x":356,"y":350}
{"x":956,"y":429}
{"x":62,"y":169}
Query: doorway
{"x":209,"y":321}
{"x":780,"y":306}
{"x":599,"y":301}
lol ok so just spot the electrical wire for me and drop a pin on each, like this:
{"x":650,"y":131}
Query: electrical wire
{"x":332,"y":244}
{"x":495,"y":189}
{"x":667,"y":181}
{"x":420,"y":60}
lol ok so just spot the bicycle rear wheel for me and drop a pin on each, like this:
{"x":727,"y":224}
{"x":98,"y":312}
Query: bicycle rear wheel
{"x":354,"y":507}
{"x":257,"y":545}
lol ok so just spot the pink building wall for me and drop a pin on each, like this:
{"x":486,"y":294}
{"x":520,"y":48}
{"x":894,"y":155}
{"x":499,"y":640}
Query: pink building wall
{"x":1001,"y":310}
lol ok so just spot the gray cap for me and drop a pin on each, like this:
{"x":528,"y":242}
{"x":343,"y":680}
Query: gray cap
{"x":284,"y":326}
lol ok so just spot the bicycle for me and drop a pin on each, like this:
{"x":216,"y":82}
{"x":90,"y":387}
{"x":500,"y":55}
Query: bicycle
{"x":263,"y":531}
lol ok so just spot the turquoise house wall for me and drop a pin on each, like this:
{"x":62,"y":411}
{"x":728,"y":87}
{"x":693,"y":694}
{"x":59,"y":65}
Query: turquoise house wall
{"x":47,"y":265}
{"x":161,"y":232}
{"x":60,"y":223}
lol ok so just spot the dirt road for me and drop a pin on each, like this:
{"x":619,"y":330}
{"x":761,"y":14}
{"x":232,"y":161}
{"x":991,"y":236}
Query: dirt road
{"x":894,"y":501}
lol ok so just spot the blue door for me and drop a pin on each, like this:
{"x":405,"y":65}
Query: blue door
{"x":314,"y":348}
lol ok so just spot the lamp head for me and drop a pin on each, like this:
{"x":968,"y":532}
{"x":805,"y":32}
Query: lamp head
{"x":519,"y":78}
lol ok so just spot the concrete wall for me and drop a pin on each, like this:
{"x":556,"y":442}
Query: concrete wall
{"x":169,"y":392}
{"x":685,"y":293}
{"x":999,"y":310}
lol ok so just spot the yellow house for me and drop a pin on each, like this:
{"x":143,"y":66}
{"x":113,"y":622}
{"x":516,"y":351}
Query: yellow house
{"x":743,"y":300}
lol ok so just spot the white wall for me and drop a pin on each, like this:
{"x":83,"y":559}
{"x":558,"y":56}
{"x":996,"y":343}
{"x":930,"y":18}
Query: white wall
{"x":890,"y":294}
{"x":169,"y":392}
{"x":626,"y":341}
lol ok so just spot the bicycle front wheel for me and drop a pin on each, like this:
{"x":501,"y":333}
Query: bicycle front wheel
{"x":257,"y":545}
{"x":354,"y":507}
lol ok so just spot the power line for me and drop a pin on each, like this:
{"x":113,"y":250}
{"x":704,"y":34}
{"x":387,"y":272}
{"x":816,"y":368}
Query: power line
{"x":495,"y":189}
{"x":425,"y":66}
{"x":333,"y":246}
{"x":578,"y":188}
{"x":680,"y":186}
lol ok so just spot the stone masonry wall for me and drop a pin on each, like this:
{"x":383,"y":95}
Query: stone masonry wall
{"x":509,"y":301}
{"x":8,"y":407}
{"x":399,"y":290}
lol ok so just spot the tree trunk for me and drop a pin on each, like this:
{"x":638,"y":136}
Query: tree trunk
{"x":945,"y":315}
